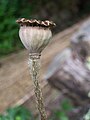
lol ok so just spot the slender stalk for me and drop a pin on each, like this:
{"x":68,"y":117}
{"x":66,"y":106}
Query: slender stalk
{"x":34,"y":63}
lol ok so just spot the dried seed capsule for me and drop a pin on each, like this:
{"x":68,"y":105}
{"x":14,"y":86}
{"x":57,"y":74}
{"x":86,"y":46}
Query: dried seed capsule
{"x":35,"y":34}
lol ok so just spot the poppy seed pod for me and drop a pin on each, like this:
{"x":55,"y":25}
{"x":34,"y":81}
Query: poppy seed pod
{"x":35,"y":34}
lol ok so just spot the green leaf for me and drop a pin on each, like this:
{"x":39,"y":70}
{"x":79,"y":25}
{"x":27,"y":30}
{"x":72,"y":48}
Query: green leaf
{"x":66,"y":105}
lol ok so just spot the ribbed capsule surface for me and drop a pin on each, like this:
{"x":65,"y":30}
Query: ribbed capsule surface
{"x":34,"y":39}
{"x":35,"y":34}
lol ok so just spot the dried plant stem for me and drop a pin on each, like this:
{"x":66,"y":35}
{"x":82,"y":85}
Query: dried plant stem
{"x":34,"y":63}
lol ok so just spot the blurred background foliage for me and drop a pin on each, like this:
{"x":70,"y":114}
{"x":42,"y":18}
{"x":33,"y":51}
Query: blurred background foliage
{"x":17,"y":113}
{"x":63,"y":12}
{"x":22,"y":113}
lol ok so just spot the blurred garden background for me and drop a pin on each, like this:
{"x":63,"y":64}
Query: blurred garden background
{"x":15,"y":85}
{"x":63,"y":12}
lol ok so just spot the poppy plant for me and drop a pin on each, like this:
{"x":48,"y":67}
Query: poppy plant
{"x":35,"y":36}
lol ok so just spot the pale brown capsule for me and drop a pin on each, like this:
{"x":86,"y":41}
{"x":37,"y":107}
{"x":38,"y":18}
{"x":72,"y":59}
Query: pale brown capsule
{"x":35,"y":34}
